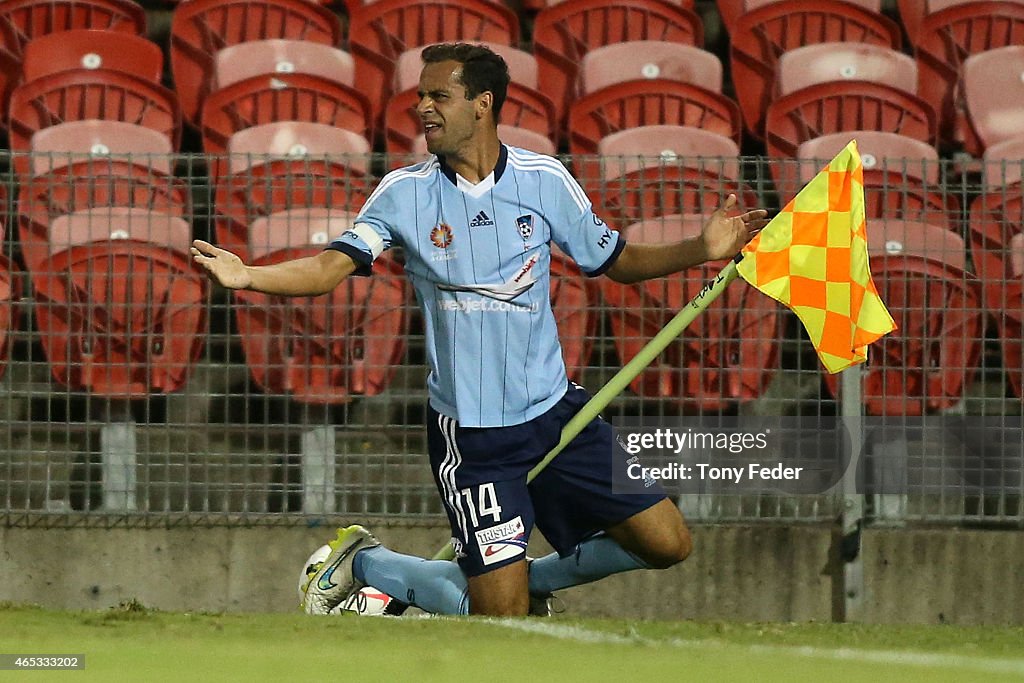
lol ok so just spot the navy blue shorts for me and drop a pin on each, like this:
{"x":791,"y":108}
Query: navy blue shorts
{"x":480,"y":473}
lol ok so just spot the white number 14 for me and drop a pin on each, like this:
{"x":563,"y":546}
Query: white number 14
{"x":487,"y":503}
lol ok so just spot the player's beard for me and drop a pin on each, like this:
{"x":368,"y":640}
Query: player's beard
{"x":449,"y":142}
{"x":435,"y":142}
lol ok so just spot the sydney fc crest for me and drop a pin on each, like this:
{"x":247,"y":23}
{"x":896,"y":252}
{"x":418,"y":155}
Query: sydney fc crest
{"x":525,"y":225}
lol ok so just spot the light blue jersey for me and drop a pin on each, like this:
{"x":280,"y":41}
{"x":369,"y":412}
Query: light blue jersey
{"x":479,"y":259}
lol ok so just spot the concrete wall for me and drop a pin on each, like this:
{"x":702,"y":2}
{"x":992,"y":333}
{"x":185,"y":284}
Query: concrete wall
{"x":746,"y":573}
{"x":951,"y":576}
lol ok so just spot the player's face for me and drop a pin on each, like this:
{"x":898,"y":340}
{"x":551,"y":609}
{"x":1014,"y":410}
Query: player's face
{"x":449,"y":119}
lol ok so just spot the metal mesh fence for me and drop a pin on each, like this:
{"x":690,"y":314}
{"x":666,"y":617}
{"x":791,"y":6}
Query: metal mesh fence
{"x":133,"y":386}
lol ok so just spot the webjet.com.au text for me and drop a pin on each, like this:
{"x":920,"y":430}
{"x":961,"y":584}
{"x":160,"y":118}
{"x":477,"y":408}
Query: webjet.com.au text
{"x":486,"y":306}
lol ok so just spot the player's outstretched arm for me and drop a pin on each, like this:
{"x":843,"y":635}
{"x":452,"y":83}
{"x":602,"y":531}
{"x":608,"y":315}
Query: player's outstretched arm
{"x":723,"y":236}
{"x":310,"y":276}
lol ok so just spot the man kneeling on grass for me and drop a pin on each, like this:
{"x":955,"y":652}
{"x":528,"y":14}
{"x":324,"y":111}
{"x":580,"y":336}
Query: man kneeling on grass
{"x":476,"y":221}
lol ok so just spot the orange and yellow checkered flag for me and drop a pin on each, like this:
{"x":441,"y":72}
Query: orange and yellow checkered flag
{"x":813,"y":257}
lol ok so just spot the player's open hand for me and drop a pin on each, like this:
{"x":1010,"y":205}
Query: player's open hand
{"x":725,"y":235}
{"x":223,"y":266}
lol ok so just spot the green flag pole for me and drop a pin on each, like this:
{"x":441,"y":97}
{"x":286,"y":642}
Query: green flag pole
{"x":628,"y":373}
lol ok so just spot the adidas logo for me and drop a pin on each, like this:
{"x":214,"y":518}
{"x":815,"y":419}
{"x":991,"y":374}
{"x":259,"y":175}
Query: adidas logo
{"x":481,"y":220}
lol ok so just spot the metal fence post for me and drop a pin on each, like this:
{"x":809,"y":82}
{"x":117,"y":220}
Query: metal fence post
{"x":119,"y":459}
{"x":318,"y":464}
{"x":850,"y":410}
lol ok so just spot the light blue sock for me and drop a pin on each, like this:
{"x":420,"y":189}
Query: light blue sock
{"x":435,"y":586}
{"x":594,"y":559}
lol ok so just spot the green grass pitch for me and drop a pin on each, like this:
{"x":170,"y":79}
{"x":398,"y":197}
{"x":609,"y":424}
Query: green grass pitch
{"x":132,"y":643}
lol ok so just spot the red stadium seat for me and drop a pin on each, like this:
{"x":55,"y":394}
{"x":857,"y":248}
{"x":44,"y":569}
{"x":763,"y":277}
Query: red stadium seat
{"x":285,"y":185}
{"x":802,"y":67}
{"x":536,"y":5}
{"x":917,"y":161}
{"x":901,"y":177}
{"x":1011,"y":316}
{"x":726,"y":357}
{"x":564,"y":33}
{"x":353,"y":6}
{"x":279,"y":186}
{"x":116,"y":223}
{"x":523,"y":108}
{"x":649,"y":103}
{"x":92,"y":49}
{"x":89,"y":188}
{"x":634,"y":149}
{"x":994,"y":96}
{"x":119,"y":315}
{"x":298,"y":152}
{"x":9,"y":295}
{"x":380,"y":32}
{"x":913,"y":12}
{"x":259,"y":57}
{"x":327,"y":349}
{"x":200,"y":28}
{"x":996,"y":218}
{"x":525,"y":138}
{"x":927,"y":362}
{"x":281,"y":97}
{"x":98,"y":183}
{"x":890,"y":195}
{"x":10,"y":76}
{"x":668,"y":189}
{"x":295,"y":229}
{"x":66,"y":143}
{"x":1004,"y":163}
{"x":296,"y":141}
{"x":649,"y":59}
{"x":763,"y":34}
{"x":731,"y":10}
{"x":26,"y":20}
{"x":89,"y":94}
{"x":840,"y":107}
{"x":914,"y":240}
{"x":948,"y":37}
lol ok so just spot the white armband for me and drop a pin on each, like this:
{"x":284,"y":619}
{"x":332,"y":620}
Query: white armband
{"x":367,"y":234}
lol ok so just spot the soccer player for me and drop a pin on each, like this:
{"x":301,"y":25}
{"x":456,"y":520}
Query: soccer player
{"x":476,"y":221}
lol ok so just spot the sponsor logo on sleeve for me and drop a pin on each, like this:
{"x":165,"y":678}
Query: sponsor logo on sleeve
{"x":525,"y":270}
{"x":502,"y":541}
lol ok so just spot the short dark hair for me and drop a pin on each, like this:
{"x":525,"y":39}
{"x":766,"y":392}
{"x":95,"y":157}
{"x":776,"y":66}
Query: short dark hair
{"x":483,"y":69}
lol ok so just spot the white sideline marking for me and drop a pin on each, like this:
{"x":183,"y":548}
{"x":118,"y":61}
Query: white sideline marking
{"x":900,"y":657}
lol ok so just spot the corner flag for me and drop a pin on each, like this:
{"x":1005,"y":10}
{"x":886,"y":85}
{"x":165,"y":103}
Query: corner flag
{"x":813,"y":257}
